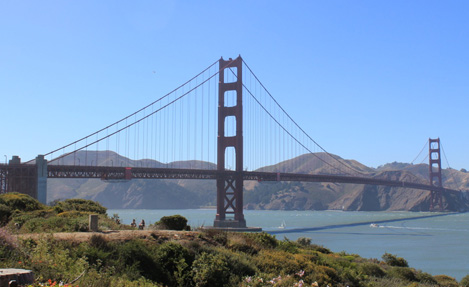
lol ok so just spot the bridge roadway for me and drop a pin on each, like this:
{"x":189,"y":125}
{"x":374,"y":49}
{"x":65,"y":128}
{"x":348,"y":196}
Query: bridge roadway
{"x":126,"y":173}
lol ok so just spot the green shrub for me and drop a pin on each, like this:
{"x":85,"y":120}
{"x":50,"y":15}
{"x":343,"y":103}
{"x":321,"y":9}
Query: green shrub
{"x":239,"y":264}
{"x":277,"y":262}
{"x":175,"y":261}
{"x":5,"y":213}
{"x":125,"y":282}
{"x":210,"y":270}
{"x":98,"y":241}
{"x":243,"y":247}
{"x":20,"y":201}
{"x":74,"y":214}
{"x":135,"y":258}
{"x":465,"y":281}
{"x":444,"y":280}
{"x":321,"y":249}
{"x":371,"y":269}
{"x":265,"y":240}
{"x":8,"y":243}
{"x":403,"y":273}
{"x":173,"y":222}
{"x":93,"y":278}
{"x":52,"y":224}
{"x":95,"y":255}
{"x":78,"y":204}
{"x":325,"y":275}
{"x":304,"y":241}
{"x":288,"y":246}
{"x":425,"y":278}
{"x":393,"y":260}
{"x":53,"y":259}
{"x":218,"y":235}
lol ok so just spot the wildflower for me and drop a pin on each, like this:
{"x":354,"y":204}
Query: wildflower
{"x":248,"y":279}
{"x":315,"y":284}
{"x":301,"y":273}
{"x":275,"y":280}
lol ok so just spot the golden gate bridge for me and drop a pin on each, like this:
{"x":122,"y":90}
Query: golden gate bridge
{"x":223,"y":115}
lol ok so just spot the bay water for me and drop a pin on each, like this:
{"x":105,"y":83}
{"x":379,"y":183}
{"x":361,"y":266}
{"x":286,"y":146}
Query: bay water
{"x":436,"y":243}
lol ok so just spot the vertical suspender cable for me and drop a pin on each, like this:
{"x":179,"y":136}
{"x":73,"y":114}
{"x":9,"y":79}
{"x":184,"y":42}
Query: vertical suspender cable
{"x":202,"y":123}
{"x":195,"y":139}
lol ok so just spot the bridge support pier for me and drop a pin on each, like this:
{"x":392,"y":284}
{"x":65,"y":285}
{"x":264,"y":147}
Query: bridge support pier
{"x":41,"y":179}
{"x":26,"y":179}
{"x":229,"y":186}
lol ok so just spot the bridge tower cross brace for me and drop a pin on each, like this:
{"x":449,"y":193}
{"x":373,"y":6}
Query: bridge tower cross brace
{"x":434,"y":159}
{"x":229,"y":184}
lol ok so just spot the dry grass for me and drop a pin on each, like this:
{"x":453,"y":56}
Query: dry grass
{"x":117,"y":235}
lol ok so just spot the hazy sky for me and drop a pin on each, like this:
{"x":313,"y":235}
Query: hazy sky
{"x":368,"y":80}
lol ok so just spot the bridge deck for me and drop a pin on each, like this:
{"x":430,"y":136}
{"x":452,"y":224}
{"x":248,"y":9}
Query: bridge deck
{"x":123,"y":173}
{"x":119,"y":173}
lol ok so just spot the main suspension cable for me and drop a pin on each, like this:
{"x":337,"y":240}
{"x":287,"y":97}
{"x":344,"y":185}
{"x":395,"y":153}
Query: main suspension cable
{"x":296,"y":124}
{"x":145,"y":117}
{"x":424,"y":146}
{"x":135,"y":113}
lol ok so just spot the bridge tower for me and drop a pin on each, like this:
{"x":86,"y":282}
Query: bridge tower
{"x":25,"y":178}
{"x":229,"y":184}
{"x":434,"y":158}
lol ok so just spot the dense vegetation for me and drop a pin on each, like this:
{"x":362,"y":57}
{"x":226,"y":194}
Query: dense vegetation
{"x":205,"y":258}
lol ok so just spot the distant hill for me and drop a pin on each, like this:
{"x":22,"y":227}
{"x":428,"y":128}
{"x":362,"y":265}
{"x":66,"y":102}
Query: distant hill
{"x":175,"y":194}
{"x":303,"y":195}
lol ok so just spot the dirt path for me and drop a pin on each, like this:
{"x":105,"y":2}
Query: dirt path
{"x":117,"y":235}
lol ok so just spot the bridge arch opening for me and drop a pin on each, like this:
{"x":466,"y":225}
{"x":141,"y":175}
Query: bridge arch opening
{"x":230,"y":98}
{"x":230,"y":126}
{"x":230,"y":75}
{"x":230,"y":158}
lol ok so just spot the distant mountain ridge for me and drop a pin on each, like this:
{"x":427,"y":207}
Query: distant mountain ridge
{"x":177,"y":194}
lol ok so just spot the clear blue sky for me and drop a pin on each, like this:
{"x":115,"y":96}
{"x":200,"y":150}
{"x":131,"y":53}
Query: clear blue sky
{"x":368,"y":80}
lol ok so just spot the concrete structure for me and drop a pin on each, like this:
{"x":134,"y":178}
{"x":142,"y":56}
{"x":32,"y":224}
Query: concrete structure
{"x":93,"y":223}
{"x":41,"y":179}
{"x":30,"y":179}
{"x":21,"y":276}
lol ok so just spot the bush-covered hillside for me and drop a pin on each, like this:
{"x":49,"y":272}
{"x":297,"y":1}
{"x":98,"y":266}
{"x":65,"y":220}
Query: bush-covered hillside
{"x":182,"y":258}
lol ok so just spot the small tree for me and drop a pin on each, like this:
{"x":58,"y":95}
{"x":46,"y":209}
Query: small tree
{"x":5,"y":213}
{"x":210,"y":270}
{"x":173,"y":222}
{"x":393,"y":260}
{"x":78,"y":204}
{"x":20,"y":201}
{"x":304,"y":241}
{"x":465,"y":281}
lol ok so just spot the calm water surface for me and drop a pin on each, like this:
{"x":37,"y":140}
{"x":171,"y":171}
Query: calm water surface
{"x":432,"y":242}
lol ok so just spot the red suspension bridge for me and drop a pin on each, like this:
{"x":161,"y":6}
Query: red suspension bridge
{"x":223,"y":115}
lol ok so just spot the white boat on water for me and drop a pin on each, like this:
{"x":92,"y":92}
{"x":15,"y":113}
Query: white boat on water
{"x":374,"y":225}
{"x":283,"y":225}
